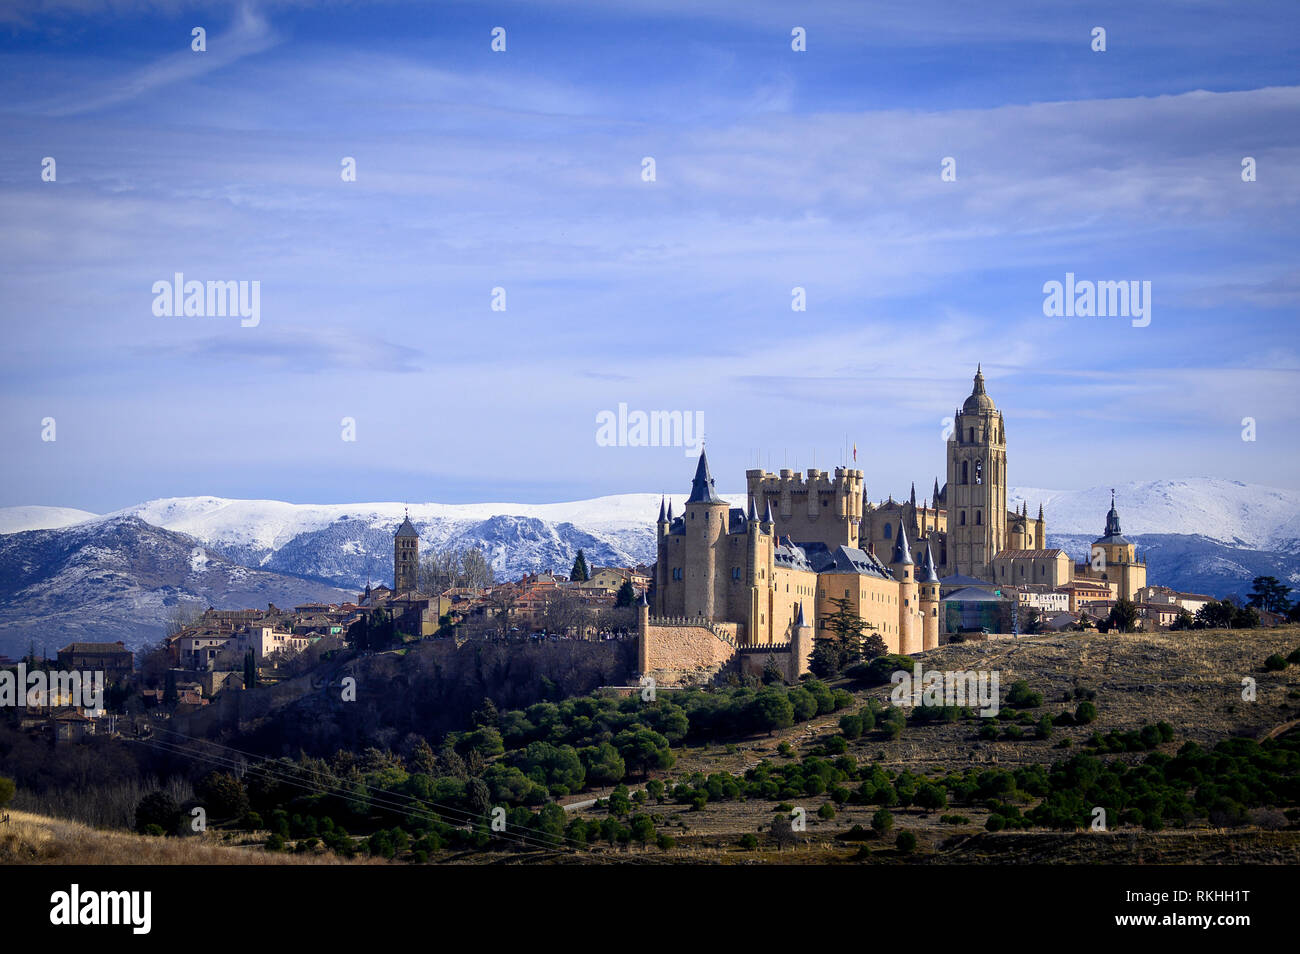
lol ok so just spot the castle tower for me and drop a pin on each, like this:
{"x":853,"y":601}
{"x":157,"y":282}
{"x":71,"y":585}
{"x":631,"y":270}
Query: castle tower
{"x":801,"y":645}
{"x":928,"y":596}
{"x":406,"y":557}
{"x":823,"y":508}
{"x":909,"y":640}
{"x":977,"y":485}
{"x":706,"y":529}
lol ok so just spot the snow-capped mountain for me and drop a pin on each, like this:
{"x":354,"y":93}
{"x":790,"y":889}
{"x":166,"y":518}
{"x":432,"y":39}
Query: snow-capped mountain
{"x":117,"y":576}
{"x":18,"y":519}
{"x":120,"y":578}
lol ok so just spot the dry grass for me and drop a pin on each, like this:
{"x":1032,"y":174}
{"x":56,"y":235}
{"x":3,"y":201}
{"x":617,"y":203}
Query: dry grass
{"x":42,"y":840}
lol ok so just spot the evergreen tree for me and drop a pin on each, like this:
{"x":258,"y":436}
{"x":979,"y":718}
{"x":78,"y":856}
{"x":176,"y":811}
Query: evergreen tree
{"x":626,"y":594}
{"x":1123,"y":616}
{"x":170,"y":695}
{"x":841,"y":642}
{"x":580,"y":573}
{"x":250,"y":671}
{"x":1270,"y":594}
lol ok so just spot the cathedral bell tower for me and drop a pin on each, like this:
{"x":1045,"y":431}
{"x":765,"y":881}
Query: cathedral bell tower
{"x":977,"y":485}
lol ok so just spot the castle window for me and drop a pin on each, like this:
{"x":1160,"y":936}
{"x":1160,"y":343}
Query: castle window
{"x":978,"y":519}
{"x":979,"y":471}
{"x":963,"y":518}
{"x":965,"y":478}
{"x":887,"y":533}
{"x":971,"y":435}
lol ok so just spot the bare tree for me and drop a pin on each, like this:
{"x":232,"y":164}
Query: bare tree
{"x":440,"y":570}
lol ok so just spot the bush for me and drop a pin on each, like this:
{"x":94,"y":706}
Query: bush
{"x":1085,"y":713}
{"x":826,"y":812}
{"x":905,"y":842}
{"x":1022,"y":696}
{"x":1275,"y":662}
{"x":7,"y":789}
{"x":159,"y":809}
{"x":274,"y":842}
{"x":851,"y":726}
{"x":995,"y":823}
{"x":882,"y":821}
{"x":748,"y":841}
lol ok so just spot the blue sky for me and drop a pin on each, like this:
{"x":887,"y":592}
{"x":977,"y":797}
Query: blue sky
{"x":522,"y":170}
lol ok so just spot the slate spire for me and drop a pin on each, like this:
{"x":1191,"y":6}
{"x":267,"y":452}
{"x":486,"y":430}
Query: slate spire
{"x":702,"y":486}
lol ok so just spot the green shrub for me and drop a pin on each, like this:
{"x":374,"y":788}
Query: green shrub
{"x":905,"y":842}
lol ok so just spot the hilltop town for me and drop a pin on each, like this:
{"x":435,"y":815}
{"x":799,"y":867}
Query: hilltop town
{"x":732,"y":590}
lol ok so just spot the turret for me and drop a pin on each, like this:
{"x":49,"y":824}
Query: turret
{"x":928,"y":597}
{"x":706,"y":530}
{"x":801,"y":644}
{"x":904,"y":569}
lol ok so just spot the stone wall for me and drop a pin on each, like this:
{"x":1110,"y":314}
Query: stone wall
{"x":682,"y":653}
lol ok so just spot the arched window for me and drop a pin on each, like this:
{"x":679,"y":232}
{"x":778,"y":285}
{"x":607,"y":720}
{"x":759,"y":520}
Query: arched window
{"x":979,"y":471}
{"x":887,"y":533}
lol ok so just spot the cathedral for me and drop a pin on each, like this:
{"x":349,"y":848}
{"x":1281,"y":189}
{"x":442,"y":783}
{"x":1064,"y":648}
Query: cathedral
{"x":756,"y":582}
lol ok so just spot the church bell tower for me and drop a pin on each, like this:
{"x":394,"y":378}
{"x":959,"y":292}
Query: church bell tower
{"x":977,"y":484}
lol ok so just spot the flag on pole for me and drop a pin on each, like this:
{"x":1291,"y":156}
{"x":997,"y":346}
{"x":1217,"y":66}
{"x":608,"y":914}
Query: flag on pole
{"x":855,"y":452}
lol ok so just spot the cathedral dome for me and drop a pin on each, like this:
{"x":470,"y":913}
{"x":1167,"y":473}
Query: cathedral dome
{"x":979,"y":399}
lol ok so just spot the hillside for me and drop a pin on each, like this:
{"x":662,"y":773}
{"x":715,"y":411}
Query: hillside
{"x":1191,"y":680}
{"x":43,"y":840}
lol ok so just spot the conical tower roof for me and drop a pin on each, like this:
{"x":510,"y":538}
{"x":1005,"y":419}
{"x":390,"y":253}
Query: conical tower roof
{"x":702,"y":486}
{"x":928,"y":572}
{"x":902,"y":554}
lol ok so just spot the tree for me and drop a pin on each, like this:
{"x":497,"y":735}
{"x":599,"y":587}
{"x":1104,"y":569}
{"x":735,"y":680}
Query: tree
{"x":181,"y":618}
{"x":1270,"y":594}
{"x":170,"y":697}
{"x":1245,"y":617}
{"x":1183,"y":620}
{"x":626,"y":594}
{"x":603,"y":764}
{"x":771,"y":709}
{"x":1123,"y":616}
{"x":444,"y":569}
{"x":157,"y":808}
{"x":250,"y":670}
{"x":1215,"y":614}
{"x":644,"y":749}
{"x":7,"y":789}
{"x":222,"y":794}
{"x":580,"y":573}
{"x":840,"y":643}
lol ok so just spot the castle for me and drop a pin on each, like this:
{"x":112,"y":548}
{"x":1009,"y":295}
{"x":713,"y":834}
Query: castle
{"x":752,"y":584}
